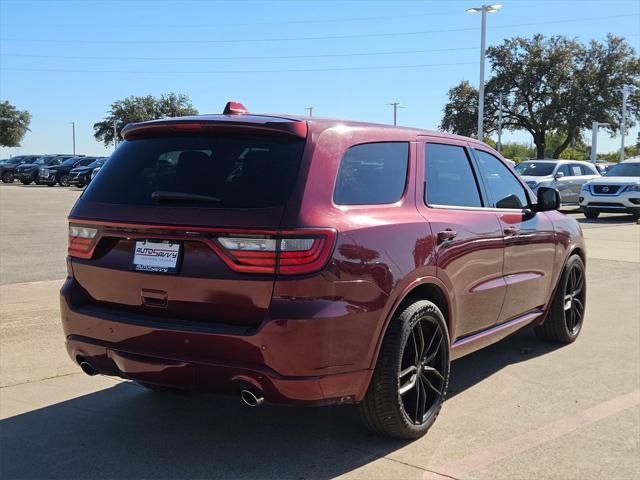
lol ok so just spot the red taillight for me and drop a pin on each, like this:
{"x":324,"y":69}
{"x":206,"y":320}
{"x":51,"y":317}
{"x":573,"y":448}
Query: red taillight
{"x":292,"y":252}
{"x":82,"y":240}
{"x":289,"y":252}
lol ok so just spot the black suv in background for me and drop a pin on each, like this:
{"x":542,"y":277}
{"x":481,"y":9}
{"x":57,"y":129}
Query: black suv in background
{"x":28,"y":173}
{"x":60,"y":173}
{"x":8,"y":167}
{"x":81,"y":176}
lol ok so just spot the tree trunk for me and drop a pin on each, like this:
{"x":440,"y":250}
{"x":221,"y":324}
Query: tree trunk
{"x":539,"y":140}
{"x":562,"y":147}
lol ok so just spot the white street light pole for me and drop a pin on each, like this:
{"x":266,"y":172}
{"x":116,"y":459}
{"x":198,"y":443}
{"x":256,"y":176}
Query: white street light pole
{"x":115,"y":135}
{"x":396,"y":106}
{"x":310,"y":110}
{"x":623,"y":126}
{"x":594,"y":139}
{"x":73,"y":133}
{"x":500,"y":123}
{"x":484,"y":9}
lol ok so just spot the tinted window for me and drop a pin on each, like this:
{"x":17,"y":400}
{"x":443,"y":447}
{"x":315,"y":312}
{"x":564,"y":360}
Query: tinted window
{"x":449,"y":177}
{"x":587,"y":170}
{"x":535,"y":169}
{"x":211,"y":171}
{"x":372,"y":174}
{"x":564,"y":168}
{"x":503,"y":187}
{"x":631,"y":169}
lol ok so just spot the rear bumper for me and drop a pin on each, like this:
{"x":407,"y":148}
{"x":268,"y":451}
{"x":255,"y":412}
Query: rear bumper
{"x":25,"y":177}
{"x":79,"y":181}
{"x":212,"y":360}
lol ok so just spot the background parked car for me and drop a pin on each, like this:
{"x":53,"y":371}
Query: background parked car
{"x":8,"y":167}
{"x":566,"y":176}
{"x":617,"y":192}
{"x":604,"y":167}
{"x":60,"y":173}
{"x":28,"y":173}
{"x":81,"y":176}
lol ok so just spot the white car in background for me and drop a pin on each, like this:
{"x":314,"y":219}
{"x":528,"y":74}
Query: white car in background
{"x":566,"y":176}
{"x":616,"y":192}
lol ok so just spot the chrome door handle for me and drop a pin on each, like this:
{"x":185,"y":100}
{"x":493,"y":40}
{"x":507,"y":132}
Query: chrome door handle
{"x":446,"y":235}
{"x":510,"y":231}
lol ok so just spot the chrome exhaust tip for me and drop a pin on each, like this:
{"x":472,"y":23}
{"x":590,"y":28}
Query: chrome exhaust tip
{"x":87,"y":368}
{"x":251,"y":399}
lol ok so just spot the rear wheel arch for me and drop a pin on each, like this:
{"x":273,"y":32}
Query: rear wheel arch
{"x":430,"y":289}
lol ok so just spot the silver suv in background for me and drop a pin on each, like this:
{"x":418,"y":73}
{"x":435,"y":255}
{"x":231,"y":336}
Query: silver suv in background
{"x":566,"y":176}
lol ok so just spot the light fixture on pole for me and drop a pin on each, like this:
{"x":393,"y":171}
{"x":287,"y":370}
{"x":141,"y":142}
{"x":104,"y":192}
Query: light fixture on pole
{"x":484,"y":9}
{"x":396,"y":106}
{"x":310,"y":109}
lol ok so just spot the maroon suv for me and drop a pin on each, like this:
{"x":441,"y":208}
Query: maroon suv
{"x":311,"y":261}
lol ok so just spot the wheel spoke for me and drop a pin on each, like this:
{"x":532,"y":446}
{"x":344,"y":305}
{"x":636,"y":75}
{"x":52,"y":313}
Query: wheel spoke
{"x":417,"y":410}
{"x":423,"y":404}
{"x":433,"y":354}
{"x":577,"y":287}
{"x":408,"y":370}
{"x":409,"y":384}
{"x":428,"y":369}
{"x":416,"y":357}
{"x":426,"y":381}
{"x":418,"y":327}
{"x":570,"y":319}
{"x":567,"y":302}
{"x":579,"y":306}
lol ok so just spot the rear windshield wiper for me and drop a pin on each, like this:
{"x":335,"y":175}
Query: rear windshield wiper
{"x":181,"y":197}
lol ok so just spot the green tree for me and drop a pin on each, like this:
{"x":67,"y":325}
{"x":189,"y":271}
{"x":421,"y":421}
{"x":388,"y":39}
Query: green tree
{"x":557,"y":85}
{"x":518,"y":152}
{"x":577,"y":150}
{"x":460,"y":114}
{"x":14,"y":124}
{"x":139,"y":109}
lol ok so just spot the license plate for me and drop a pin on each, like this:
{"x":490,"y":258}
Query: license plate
{"x":160,"y":257}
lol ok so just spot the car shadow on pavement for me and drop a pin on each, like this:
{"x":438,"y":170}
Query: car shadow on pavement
{"x":126,"y":431}
{"x":608,"y":220}
{"x":472,"y":369}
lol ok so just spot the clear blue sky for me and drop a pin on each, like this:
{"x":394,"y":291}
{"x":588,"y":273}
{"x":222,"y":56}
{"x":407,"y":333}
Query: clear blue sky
{"x":67,"y":61}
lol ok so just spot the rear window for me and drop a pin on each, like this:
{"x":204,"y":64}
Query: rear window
{"x":210,"y":171}
{"x":372,"y":174}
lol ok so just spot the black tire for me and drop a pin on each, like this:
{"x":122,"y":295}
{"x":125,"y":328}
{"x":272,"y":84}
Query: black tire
{"x":7,"y":177}
{"x":26,"y":182}
{"x":63,"y":181}
{"x":417,"y":335}
{"x":566,"y":314}
{"x":591,"y":215}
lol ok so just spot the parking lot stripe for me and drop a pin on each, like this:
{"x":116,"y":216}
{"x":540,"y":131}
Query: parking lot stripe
{"x":490,"y":455}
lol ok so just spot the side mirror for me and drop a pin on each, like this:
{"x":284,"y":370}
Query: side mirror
{"x":511,"y":201}
{"x":558,"y":175}
{"x":548,"y":199}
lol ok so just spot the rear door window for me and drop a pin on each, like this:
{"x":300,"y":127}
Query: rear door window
{"x":202,"y":170}
{"x":372,"y":174}
{"x":449,"y":177}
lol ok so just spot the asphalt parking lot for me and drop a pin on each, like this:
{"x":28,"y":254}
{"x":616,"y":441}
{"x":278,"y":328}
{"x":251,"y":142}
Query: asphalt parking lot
{"x":519,"y":409}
